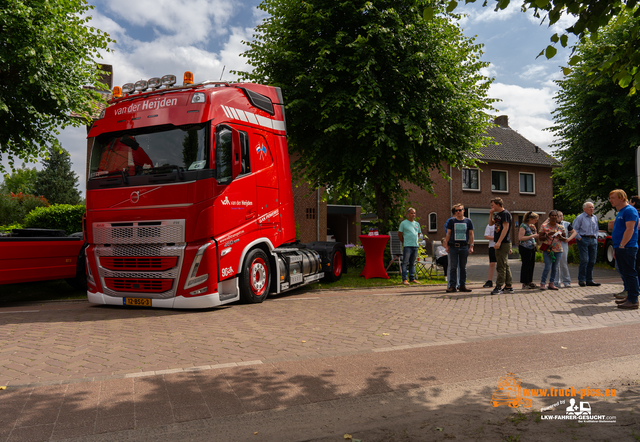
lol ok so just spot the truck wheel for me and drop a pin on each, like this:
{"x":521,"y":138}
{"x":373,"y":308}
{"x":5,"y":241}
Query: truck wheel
{"x":608,"y":251}
{"x":256,"y":277}
{"x":80,"y":280}
{"x":336,"y":266}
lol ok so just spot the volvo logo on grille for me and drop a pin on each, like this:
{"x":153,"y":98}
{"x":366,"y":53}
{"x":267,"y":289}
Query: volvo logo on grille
{"x":135,"y":197}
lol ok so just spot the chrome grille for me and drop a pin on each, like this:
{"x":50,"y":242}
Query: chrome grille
{"x":140,"y":250}
{"x":140,"y":239}
{"x":170,"y":231}
{"x":173,"y":273}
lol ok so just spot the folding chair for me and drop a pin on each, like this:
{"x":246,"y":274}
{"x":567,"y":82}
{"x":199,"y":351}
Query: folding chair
{"x":395,"y":247}
{"x":433,"y":265}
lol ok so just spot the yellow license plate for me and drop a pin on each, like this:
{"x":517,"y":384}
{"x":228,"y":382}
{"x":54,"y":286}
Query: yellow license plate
{"x":143,"y":302}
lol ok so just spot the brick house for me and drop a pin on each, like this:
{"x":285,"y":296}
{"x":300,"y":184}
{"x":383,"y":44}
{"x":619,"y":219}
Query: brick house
{"x":516,"y":170}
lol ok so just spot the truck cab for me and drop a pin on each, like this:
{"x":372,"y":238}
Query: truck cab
{"x":189,"y":199}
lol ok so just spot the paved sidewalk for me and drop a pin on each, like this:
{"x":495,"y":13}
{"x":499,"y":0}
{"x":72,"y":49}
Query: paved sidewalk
{"x":144,"y":408}
{"x":63,"y":342}
{"x":79,"y":370}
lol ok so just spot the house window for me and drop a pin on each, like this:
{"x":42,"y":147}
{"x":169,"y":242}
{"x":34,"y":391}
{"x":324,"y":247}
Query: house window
{"x":499,"y":181}
{"x":480,"y":219}
{"x":433,"y":222}
{"x":527,"y":183}
{"x":311,"y":213}
{"x":471,"y":179}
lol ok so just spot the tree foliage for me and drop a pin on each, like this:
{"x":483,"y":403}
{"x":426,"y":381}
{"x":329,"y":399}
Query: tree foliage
{"x":375,"y":94}
{"x":57,"y":182}
{"x":598,"y":126}
{"x":621,"y":63}
{"x":48,"y":52}
{"x":21,"y":180}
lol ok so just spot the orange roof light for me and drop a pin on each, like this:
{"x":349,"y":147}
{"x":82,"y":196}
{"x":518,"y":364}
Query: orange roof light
{"x":188,"y":78}
{"x":117,"y":92}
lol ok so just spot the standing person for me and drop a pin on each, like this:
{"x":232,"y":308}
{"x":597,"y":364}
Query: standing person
{"x":635,"y":202}
{"x":586,"y":233}
{"x":552,"y":235}
{"x":625,"y":246}
{"x":501,"y":219}
{"x":458,"y":244}
{"x":408,"y":233}
{"x":527,"y":248}
{"x":489,"y":233}
{"x":445,"y":234}
{"x":442,"y":257}
{"x":563,"y":275}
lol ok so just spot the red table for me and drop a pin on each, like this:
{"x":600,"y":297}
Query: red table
{"x":373,"y":253}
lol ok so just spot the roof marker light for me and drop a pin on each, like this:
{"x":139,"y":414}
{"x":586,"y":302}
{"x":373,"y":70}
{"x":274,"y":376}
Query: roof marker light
{"x":117,"y":92}
{"x":127,"y":88}
{"x":168,"y":80}
{"x":154,"y":83}
{"x":141,"y":85}
{"x":188,"y":78}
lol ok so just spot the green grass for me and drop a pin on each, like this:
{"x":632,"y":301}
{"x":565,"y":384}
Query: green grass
{"x":352,"y":279}
{"x":39,"y":291}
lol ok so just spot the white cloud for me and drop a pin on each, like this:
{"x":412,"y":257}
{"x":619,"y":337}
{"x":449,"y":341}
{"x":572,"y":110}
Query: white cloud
{"x":190,"y":21}
{"x":529,"y":110}
{"x":477,"y":14}
{"x":565,"y":21}
{"x":534,"y":72}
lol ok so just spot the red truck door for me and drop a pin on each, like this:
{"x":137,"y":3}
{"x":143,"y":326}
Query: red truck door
{"x":235,"y":208}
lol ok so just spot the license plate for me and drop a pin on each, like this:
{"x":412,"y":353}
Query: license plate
{"x":143,"y":302}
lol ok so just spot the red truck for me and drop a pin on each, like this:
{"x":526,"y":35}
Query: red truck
{"x":41,"y":255}
{"x":189,"y":198}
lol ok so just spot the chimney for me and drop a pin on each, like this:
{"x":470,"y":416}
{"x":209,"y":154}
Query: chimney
{"x":502,"y":121}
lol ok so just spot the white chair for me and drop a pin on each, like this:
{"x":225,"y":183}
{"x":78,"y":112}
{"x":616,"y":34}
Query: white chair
{"x":433,"y":265}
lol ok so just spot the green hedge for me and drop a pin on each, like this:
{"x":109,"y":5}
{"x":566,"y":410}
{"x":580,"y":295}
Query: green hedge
{"x":59,"y":216}
{"x":603,"y":224}
{"x":14,"y":207}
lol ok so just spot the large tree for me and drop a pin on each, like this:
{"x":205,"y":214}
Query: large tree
{"x":57,"y":182}
{"x":620,"y":63}
{"x":48,"y":52}
{"x":21,"y":180}
{"x":375,"y":94}
{"x":597,"y":124}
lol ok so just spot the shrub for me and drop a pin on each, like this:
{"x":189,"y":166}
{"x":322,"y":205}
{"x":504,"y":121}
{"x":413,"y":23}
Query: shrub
{"x":59,"y":216}
{"x":573,"y":257}
{"x":15,"y":206}
{"x":8,"y":228}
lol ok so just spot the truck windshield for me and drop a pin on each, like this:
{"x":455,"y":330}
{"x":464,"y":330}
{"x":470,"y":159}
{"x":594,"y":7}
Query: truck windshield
{"x":150,"y":150}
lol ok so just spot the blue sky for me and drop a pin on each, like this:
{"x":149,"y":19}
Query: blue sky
{"x":160,"y":37}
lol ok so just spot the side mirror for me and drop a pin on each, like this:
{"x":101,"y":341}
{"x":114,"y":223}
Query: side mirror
{"x":236,"y":155}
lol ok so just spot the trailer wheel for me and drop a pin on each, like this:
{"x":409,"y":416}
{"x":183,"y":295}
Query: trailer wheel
{"x":256,"y":277}
{"x":608,"y":253}
{"x":336,"y":266}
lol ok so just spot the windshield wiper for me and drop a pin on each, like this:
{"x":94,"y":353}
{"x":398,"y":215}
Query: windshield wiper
{"x":166,"y":166}
{"x":112,"y":173}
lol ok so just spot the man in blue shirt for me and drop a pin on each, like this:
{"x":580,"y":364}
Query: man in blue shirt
{"x":459,"y":243}
{"x":625,"y":246}
{"x":585,"y":227}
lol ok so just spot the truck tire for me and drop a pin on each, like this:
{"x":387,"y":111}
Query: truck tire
{"x":79,"y":282}
{"x":608,"y":253}
{"x":256,"y":277}
{"x":337,"y":260}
